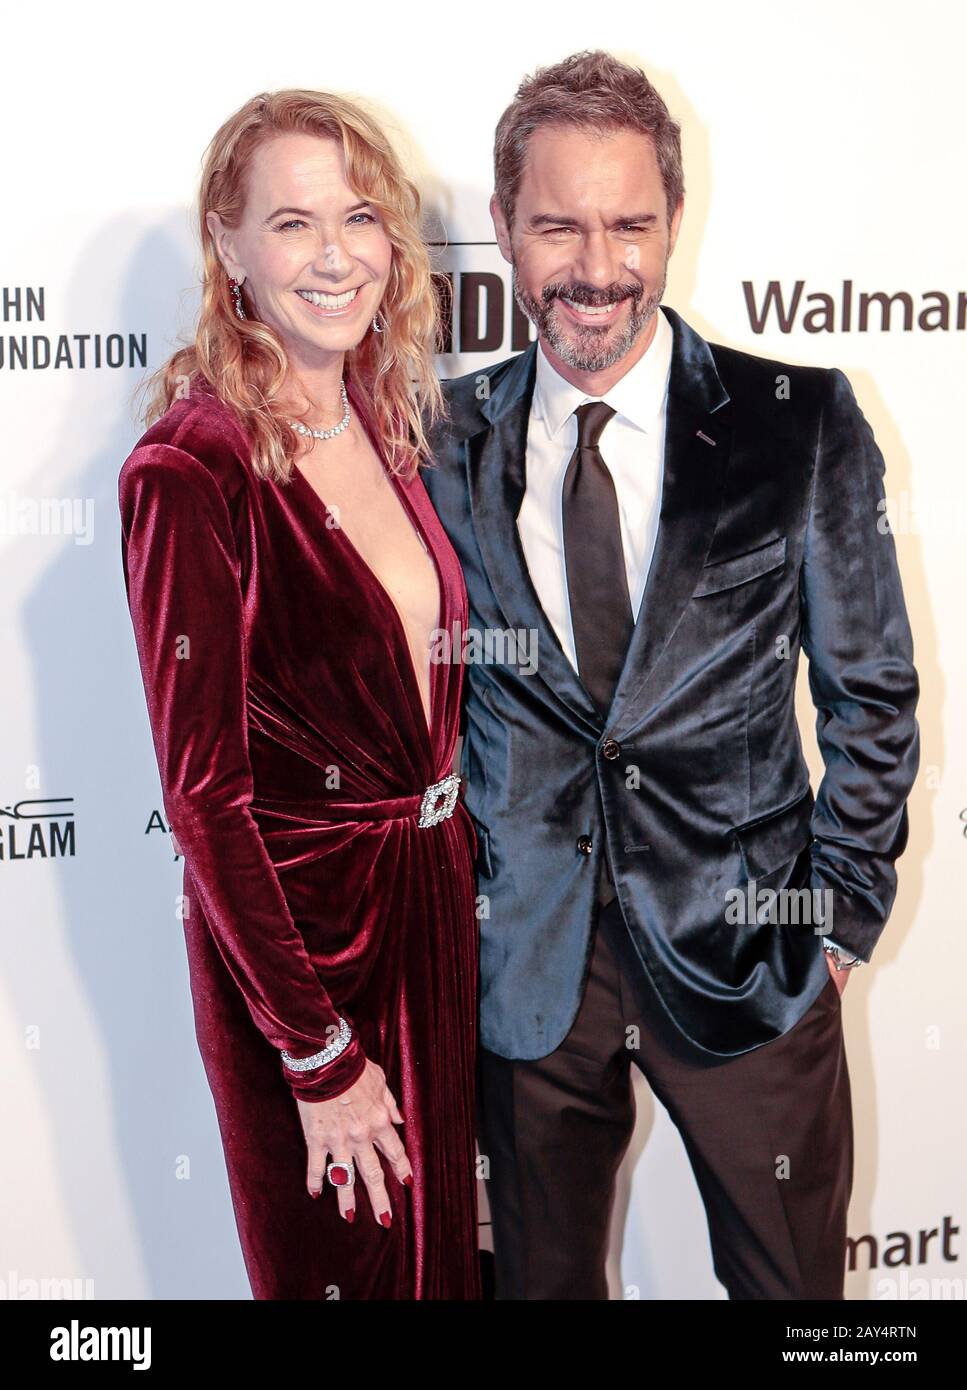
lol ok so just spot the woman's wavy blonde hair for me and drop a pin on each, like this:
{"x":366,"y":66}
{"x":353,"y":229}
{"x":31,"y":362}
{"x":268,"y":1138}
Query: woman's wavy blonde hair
{"x":245,"y":360}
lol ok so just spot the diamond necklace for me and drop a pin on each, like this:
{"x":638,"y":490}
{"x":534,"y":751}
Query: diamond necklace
{"x":336,"y":429}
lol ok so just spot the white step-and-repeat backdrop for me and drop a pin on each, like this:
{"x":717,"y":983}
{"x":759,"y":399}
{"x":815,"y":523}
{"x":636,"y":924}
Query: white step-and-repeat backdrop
{"x":823,"y":163}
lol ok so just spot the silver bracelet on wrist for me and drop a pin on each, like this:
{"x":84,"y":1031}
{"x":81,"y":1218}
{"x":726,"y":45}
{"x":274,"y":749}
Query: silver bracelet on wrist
{"x":328,"y":1054}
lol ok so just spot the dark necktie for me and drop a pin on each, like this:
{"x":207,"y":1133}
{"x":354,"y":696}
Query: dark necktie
{"x":597,"y":583}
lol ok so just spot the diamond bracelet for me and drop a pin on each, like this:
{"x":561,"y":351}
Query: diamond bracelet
{"x":328,"y":1053}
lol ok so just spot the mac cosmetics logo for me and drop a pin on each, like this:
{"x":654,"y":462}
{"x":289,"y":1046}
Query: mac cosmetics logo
{"x":869,"y":311}
{"x":32,"y":350}
{"x":41,"y":828}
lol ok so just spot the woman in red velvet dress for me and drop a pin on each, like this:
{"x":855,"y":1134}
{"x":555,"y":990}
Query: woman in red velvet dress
{"x":286,"y":590}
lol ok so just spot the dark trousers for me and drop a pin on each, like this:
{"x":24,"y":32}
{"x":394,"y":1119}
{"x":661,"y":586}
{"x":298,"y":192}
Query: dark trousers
{"x":769,"y":1135}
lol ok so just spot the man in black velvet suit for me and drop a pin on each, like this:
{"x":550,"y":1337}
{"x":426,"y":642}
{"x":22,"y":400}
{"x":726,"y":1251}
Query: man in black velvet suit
{"x":670,"y":522}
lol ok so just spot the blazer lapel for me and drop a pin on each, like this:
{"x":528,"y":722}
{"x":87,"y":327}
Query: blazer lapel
{"x":698,"y":437}
{"x":496,"y":477}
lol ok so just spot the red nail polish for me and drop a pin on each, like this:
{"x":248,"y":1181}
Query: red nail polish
{"x":385,"y":1218}
{"x":315,"y":1194}
{"x":351,"y":1215}
{"x":408,"y":1180}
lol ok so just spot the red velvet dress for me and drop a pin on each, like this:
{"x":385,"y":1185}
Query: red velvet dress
{"x":294,"y":750}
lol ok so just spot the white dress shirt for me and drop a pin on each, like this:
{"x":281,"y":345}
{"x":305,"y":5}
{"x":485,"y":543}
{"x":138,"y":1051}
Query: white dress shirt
{"x":632,"y":445}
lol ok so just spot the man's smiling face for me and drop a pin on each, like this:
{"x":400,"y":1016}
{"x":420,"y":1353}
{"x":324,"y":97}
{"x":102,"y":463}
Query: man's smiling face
{"x":589,"y":246}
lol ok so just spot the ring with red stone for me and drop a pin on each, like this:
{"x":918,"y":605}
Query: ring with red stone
{"x":341,"y":1174}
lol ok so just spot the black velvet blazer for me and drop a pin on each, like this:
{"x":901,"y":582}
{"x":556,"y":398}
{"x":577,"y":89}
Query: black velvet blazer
{"x":771,"y":540}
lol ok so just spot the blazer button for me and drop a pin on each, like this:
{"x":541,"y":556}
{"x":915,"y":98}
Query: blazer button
{"x":585,"y":844}
{"x":610,"y":749}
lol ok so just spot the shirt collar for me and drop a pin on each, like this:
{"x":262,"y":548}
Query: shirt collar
{"x":639,"y":396}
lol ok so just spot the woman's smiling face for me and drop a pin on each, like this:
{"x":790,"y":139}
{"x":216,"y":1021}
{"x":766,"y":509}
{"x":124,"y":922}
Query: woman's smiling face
{"x":314,"y":256}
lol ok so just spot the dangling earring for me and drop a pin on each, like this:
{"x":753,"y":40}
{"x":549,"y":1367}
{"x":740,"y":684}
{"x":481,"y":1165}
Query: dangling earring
{"x":237,"y":293}
{"x":377,"y":326}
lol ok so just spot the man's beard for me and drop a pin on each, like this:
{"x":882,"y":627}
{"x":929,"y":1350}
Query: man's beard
{"x":589,"y":349}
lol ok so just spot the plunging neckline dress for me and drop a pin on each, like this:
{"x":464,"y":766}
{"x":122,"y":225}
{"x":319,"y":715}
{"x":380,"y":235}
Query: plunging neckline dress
{"x":295,"y":757}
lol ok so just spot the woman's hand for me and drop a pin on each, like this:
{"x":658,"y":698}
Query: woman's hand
{"x":351,"y":1128}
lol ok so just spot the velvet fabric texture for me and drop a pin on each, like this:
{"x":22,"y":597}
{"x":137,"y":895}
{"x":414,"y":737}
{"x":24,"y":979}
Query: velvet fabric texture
{"x":294,"y":752}
{"x":770,"y":541}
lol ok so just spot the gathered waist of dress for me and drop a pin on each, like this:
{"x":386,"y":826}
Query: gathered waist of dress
{"x":429,"y":807}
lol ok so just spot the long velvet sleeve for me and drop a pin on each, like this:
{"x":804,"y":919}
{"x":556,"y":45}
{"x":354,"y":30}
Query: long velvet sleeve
{"x":861,"y":675}
{"x":182,"y":578}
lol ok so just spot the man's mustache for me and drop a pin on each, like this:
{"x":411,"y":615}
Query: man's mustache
{"x":593,"y":298}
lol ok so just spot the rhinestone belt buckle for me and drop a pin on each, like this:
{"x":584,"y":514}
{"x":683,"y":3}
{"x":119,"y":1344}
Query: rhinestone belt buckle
{"x":430,"y":812}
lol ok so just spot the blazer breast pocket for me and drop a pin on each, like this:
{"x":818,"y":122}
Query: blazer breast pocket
{"x":739,"y":569}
